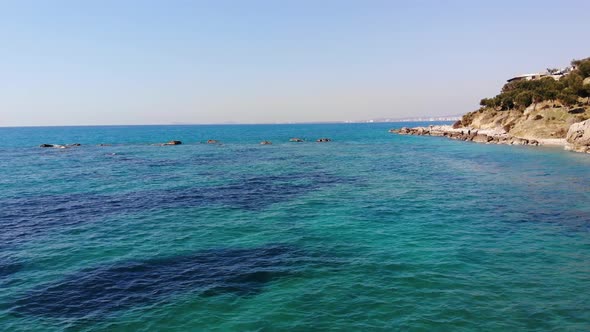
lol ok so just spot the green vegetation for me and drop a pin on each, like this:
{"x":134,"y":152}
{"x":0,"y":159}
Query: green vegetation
{"x":568,"y":90}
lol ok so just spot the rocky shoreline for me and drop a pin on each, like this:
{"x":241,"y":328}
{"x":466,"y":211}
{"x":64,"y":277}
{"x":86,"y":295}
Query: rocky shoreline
{"x":577,"y":138}
{"x":467,"y":134}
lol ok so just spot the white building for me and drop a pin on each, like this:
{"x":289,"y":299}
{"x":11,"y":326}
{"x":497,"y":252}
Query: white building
{"x":528,"y":77}
{"x":556,"y":74}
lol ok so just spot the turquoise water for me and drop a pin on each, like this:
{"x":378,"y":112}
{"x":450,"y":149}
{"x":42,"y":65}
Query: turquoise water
{"x":372,"y":231}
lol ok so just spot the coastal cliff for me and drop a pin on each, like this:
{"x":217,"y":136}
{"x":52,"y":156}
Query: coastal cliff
{"x":534,"y":109}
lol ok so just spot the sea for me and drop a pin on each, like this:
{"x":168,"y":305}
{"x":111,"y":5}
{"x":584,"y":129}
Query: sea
{"x":369,"y":232}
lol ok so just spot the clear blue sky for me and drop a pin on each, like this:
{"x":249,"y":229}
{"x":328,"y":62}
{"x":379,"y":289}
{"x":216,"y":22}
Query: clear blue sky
{"x":160,"y":62}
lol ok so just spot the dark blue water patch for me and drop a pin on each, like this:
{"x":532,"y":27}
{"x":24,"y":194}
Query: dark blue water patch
{"x":255,"y":193}
{"x":207,"y":157}
{"x":9,"y":266}
{"x":574,"y":219}
{"x":98,"y":291}
{"x":24,"y":217}
{"x":143,"y":164}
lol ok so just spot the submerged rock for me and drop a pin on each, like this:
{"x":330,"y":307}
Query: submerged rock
{"x":212,"y":141}
{"x":322,"y":140}
{"x":295,"y":139}
{"x":96,"y":292}
{"x":265,"y":143}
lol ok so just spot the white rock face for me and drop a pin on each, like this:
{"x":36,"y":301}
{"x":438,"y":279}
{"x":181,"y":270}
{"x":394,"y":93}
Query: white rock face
{"x":578,"y":137}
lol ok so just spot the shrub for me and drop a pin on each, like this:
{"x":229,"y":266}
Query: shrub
{"x":521,"y":94}
{"x":524,"y":98}
{"x":567,"y":98}
{"x":583,"y":66}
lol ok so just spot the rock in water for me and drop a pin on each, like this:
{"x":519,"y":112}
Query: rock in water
{"x":56,"y":146}
{"x":173,"y":143}
{"x":266,"y":143}
{"x":322,"y":140}
{"x":296,"y":139}
{"x":578,"y":137}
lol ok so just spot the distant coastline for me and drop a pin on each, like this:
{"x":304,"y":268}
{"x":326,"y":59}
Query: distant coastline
{"x":419,"y":119}
{"x":416,"y":119}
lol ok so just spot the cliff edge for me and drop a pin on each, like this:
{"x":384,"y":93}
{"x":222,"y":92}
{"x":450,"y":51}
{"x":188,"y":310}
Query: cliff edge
{"x":552,"y":107}
{"x":540,"y":106}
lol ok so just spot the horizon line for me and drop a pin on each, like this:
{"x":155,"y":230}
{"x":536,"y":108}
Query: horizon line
{"x":231,"y":124}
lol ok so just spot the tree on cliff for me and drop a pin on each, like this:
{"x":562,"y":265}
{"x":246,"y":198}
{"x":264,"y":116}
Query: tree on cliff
{"x":524,"y":98}
{"x":521,"y":94}
{"x":582,"y":66}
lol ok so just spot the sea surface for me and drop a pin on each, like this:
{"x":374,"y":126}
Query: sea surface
{"x":372,"y":231}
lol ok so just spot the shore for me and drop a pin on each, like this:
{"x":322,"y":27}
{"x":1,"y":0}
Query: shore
{"x":486,"y":136}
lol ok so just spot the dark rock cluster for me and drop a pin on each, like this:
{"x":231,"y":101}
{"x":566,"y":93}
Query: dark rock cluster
{"x":59,"y":146}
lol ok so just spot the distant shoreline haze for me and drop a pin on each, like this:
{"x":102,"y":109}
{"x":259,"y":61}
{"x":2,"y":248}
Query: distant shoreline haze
{"x":417,"y":119}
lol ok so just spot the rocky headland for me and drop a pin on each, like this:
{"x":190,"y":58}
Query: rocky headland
{"x":551,"y":108}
